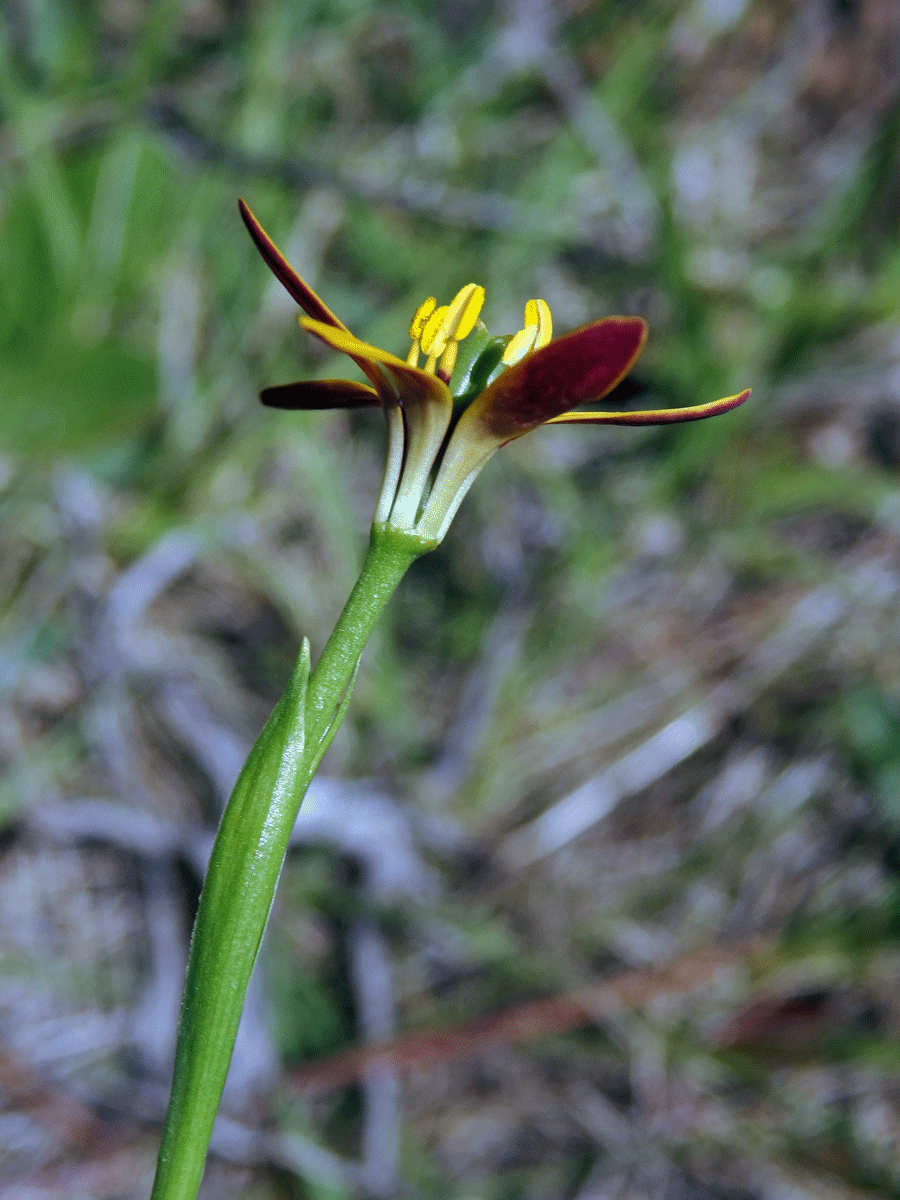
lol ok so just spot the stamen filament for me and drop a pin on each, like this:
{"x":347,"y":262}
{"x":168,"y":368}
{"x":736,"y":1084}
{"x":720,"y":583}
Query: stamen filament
{"x":448,"y":361}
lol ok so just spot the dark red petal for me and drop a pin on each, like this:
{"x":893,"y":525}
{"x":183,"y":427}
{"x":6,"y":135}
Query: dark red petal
{"x":300,"y":291}
{"x":573,"y":369}
{"x":285,"y":273}
{"x":317,"y":394}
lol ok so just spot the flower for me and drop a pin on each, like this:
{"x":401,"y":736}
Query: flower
{"x":446,"y":419}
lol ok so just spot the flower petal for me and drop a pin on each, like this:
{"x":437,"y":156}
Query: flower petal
{"x":285,"y":273}
{"x":320,"y":394}
{"x":427,"y":408}
{"x":658,"y":416}
{"x":586,"y":363}
{"x":341,"y":339}
{"x":573,"y":369}
{"x":300,"y":291}
{"x":411,"y":386}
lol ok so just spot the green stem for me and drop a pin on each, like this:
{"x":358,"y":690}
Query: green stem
{"x":390,"y":555}
{"x":247,"y":859}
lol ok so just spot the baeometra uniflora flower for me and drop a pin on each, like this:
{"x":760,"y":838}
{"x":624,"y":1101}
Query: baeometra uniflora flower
{"x":446,"y":418}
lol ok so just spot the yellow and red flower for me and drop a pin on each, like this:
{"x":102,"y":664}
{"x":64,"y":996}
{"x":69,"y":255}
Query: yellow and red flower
{"x":446,"y":419}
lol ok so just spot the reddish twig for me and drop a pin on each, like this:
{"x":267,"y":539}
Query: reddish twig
{"x":537,"y":1018}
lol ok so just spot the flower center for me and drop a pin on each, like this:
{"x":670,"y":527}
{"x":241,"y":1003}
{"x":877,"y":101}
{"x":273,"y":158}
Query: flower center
{"x":437,"y":331}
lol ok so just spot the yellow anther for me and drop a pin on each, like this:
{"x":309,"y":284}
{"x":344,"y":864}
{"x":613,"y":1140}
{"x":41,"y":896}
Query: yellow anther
{"x":520,"y":345}
{"x":423,"y":312}
{"x":435,"y":330}
{"x":432,"y":337}
{"x":448,"y":360}
{"x":462,"y":312}
{"x":537,"y":313}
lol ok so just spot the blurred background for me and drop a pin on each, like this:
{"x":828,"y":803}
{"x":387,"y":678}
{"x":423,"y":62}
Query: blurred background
{"x":608,"y":849}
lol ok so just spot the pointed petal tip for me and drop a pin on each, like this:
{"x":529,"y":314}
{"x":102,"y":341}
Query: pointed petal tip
{"x":297,"y":288}
{"x":658,"y":416}
{"x":318,"y":395}
{"x":254,"y":228}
